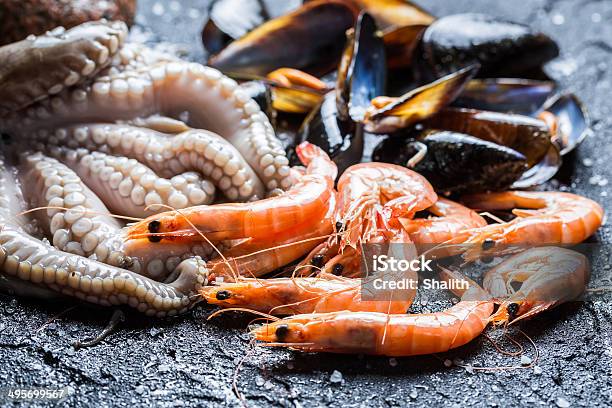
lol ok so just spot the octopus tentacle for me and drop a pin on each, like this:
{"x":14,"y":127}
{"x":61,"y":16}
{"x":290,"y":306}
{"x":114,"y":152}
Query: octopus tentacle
{"x":29,"y":259}
{"x":19,"y":18}
{"x":134,"y":56}
{"x":212,"y":101}
{"x":168,"y":156}
{"x":131,"y":188}
{"x":40,"y":66}
{"x":78,"y":222}
{"x":77,"y":219}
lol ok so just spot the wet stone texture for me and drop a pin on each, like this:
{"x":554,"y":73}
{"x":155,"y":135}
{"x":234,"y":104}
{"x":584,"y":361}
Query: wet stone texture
{"x":189,"y":361}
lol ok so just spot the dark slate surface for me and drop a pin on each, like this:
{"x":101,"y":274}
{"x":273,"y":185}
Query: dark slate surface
{"x":188,"y":361}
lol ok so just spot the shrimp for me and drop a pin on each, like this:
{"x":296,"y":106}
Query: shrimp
{"x":450,"y":219}
{"x":547,"y":276}
{"x":288,"y":215}
{"x":258,"y":258}
{"x":542,"y":218}
{"x":372,"y":196}
{"x":384,"y":334}
{"x":289,"y":296}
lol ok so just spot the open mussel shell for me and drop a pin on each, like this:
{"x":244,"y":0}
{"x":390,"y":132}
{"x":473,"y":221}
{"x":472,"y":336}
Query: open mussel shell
{"x":572,"y":121}
{"x":392,"y":13}
{"x":401,"y":43}
{"x":454,"y":162}
{"x":229,"y":20}
{"x":418,"y":104}
{"x":509,"y":95}
{"x":502,"y":48}
{"x":342,"y":140}
{"x":311,"y":39}
{"x":525,"y":134}
{"x":362,"y":73}
{"x":543,"y":171}
{"x":295,"y":99}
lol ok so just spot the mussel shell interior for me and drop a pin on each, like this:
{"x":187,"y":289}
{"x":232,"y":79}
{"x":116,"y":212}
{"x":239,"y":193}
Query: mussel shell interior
{"x":573,"y":123}
{"x":509,"y":95}
{"x":543,"y":171}
{"x":366,"y":74}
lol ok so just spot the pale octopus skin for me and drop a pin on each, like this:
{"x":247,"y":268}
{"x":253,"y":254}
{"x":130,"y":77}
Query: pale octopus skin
{"x":94,"y":130}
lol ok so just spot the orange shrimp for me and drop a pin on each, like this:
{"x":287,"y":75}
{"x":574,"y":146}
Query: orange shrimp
{"x":548,"y":276}
{"x":385,"y":334}
{"x":372,"y":196}
{"x":449,"y":219}
{"x":289,"y":296}
{"x":256,"y":258}
{"x":287,"y":215}
{"x":541,"y":218}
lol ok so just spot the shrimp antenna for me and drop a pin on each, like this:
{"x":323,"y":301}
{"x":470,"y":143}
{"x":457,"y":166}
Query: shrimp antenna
{"x":234,"y":274}
{"x":508,"y":368}
{"x":495,"y":344}
{"x":84,"y":211}
{"x":491,"y":216}
{"x":250,"y":349}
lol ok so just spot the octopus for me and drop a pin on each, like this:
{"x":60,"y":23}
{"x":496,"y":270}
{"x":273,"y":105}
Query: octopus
{"x":20,"y":18}
{"x":98,"y":133}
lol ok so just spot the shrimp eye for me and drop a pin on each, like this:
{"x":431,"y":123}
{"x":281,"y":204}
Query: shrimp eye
{"x":512,"y":309}
{"x":282,"y":330}
{"x":488,"y":244}
{"x":337,"y":269}
{"x":223,"y":295}
{"x":153,"y":228}
{"x":317,"y":260}
{"x":339,"y":226}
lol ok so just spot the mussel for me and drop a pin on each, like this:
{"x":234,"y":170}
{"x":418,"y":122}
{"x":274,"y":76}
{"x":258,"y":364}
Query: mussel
{"x":362,"y":72}
{"x":565,"y":115}
{"x":311,"y":39}
{"x":524,"y":134}
{"x":571,"y":121}
{"x":416,"y":105}
{"x":401,"y":43}
{"x":229,"y":20}
{"x":393,"y":13}
{"x":335,"y":125}
{"x":502,"y":48}
{"x":342,"y":139}
{"x":454,"y":162}
{"x":508,"y":95}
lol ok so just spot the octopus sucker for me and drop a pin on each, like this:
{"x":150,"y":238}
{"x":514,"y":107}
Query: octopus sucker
{"x":78,"y":222}
{"x":190,"y":151}
{"x":27,"y":258}
{"x":108,"y":132}
{"x":131,"y":188}
{"x":211,"y":101}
